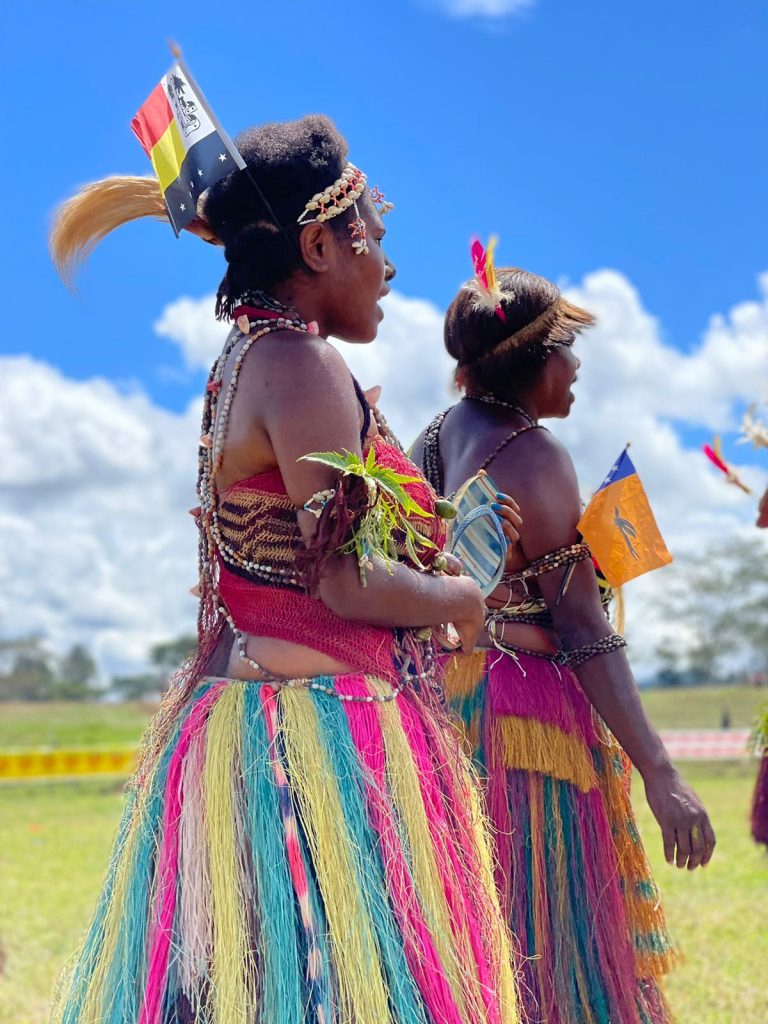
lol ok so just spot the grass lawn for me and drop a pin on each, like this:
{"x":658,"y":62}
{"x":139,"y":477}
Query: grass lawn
{"x":701,"y":707}
{"x":54,"y":844}
{"x":72,"y":724}
{"x":55,"y":840}
{"x":718,"y":915}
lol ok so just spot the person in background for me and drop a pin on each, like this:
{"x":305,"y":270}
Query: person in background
{"x":548,"y":701}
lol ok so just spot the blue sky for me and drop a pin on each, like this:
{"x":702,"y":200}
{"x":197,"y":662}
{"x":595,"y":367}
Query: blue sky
{"x":620,"y":148}
{"x":587,"y":134}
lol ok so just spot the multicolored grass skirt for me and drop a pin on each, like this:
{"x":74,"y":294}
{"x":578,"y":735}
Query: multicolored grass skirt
{"x":571,"y":870}
{"x":292,"y":858}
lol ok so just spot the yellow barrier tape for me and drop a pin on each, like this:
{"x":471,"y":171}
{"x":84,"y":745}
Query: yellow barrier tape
{"x":36,"y":764}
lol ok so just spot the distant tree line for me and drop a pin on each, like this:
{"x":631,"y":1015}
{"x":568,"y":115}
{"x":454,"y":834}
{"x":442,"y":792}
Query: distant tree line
{"x":30,"y":671}
{"x":717,"y":603}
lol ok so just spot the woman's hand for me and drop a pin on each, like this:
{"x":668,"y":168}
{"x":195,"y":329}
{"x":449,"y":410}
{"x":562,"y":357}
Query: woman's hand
{"x":453,"y":565}
{"x":689,"y":839}
{"x":508,"y":511}
{"x":470,"y":622}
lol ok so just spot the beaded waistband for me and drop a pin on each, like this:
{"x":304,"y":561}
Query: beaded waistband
{"x":322,"y":684}
{"x":415,"y":671}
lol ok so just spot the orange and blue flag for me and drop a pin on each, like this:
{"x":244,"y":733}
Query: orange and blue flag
{"x":188,"y":147}
{"x":620,"y":528}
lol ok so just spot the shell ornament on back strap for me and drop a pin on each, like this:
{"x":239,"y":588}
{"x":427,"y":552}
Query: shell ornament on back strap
{"x":338,"y":197}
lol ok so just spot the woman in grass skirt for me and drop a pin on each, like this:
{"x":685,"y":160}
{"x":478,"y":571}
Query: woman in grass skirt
{"x":548,"y":701}
{"x":302,"y":841}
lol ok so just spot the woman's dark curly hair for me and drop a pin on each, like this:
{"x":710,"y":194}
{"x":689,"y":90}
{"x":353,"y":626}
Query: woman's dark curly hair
{"x":506,"y":356}
{"x":290,"y":162}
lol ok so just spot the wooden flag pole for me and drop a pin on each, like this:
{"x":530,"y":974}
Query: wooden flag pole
{"x":233,"y":150}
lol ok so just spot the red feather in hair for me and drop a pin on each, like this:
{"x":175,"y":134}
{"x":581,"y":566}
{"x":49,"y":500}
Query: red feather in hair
{"x":485,"y":275}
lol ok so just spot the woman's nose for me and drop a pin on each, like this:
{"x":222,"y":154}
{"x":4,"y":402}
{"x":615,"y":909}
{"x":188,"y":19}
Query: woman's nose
{"x":390,"y":270}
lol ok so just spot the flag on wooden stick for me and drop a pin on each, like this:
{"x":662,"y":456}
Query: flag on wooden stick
{"x":188,"y":147}
{"x":620,"y":528}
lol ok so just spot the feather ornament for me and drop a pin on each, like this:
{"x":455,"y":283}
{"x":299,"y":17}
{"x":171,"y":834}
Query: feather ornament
{"x":485,"y":275}
{"x":753,"y":430}
{"x":714,"y":453}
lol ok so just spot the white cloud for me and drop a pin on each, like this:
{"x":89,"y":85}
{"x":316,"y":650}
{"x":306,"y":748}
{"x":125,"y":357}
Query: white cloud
{"x":96,"y":543}
{"x":190,"y":323}
{"x":483,"y":8}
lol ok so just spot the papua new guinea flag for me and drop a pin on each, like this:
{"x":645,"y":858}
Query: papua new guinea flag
{"x":620,"y":528}
{"x":188,"y":148}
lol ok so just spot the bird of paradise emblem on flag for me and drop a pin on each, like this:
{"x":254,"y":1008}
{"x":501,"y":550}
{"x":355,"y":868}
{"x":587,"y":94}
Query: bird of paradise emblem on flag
{"x":620,"y":527}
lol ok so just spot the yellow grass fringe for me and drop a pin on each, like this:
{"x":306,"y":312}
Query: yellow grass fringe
{"x":507,"y":981}
{"x":234,"y":998}
{"x":642,"y":900}
{"x":362,"y":989}
{"x":94,"y":1008}
{"x":454,"y":951}
{"x":534,"y":746}
{"x":463,"y":673}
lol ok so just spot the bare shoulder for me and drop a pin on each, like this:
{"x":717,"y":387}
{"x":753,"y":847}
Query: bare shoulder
{"x":289,"y":371}
{"x":538,"y":451}
{"x":290,"y":357}
{"x":536,"y":469}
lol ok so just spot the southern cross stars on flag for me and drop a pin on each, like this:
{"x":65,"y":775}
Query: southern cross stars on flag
{"x":620,"y":528}
{"x":188,"y":148}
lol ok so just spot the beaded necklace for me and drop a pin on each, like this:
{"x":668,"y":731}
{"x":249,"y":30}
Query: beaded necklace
{"x":259,"y":299}
{"x":492,"y":400}
{"x":215,"y":419}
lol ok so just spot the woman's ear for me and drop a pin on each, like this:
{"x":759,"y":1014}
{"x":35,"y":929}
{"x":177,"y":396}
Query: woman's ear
{"x":316,"y":248}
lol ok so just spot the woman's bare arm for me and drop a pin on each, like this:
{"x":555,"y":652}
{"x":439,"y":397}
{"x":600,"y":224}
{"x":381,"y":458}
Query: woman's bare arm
{"x":541,"y":476}
{"x":307,"y":404}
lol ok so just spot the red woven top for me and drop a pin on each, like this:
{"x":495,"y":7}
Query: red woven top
{"x":260,"y":521}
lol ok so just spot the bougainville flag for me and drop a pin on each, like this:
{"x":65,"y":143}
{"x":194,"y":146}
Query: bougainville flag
{"x":188,"y":148}
{"x":620,"y":528}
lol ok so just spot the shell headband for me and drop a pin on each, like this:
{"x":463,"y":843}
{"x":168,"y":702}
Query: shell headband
{"x":338,"y":197}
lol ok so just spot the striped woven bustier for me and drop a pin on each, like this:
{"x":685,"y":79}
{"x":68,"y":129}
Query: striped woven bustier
{"x":258,"y":538}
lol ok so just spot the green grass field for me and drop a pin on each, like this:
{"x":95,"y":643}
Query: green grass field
{"x":72,"y":724}
{"x":55,"y":840}
{"x":701,"y":707}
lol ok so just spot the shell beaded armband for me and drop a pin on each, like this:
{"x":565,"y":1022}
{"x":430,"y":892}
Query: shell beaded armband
{"x":318,"y":501}
{"x":580,"y":655}
{"x":569,"y":555}
{"x":369,"y":514}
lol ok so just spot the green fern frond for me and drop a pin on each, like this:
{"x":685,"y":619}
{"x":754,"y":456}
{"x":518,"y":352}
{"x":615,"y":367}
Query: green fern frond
{"x":390,"y":506}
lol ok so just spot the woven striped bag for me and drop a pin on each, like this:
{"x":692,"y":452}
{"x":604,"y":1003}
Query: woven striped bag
{"x":477,"y":537}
